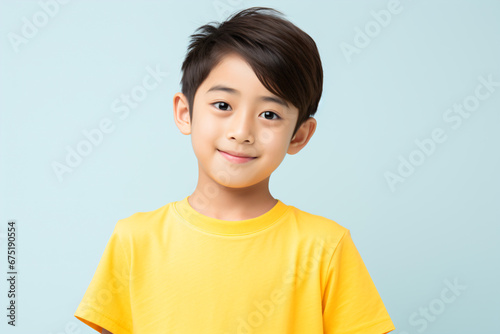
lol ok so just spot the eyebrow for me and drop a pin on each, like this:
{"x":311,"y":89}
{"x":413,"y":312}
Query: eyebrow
{"x":233,"y":91}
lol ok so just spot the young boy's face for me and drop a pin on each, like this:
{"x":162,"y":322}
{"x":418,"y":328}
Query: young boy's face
{"x":234,"y":112}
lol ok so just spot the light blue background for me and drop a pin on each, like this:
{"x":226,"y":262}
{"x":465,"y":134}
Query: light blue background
{"x":441,"y":224}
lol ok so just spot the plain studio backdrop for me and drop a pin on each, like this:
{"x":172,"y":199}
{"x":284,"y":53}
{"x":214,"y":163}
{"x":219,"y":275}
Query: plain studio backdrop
{"x":405,"y":154}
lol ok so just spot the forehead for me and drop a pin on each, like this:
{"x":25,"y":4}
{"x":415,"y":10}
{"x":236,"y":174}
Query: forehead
{"x":233,"y":70}
{"x":235,"y":76}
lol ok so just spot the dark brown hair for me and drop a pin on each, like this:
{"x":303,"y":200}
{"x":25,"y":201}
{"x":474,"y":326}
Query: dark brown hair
{"x":284,"y":58}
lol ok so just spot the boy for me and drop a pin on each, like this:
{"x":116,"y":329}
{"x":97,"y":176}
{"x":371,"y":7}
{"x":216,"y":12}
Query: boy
{"x":230,"y":258}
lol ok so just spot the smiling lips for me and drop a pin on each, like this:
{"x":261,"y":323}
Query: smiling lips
{"x":236,"y":157}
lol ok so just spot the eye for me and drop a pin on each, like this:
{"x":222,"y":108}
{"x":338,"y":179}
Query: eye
{"x":224,"y":105}
{"x":270,"y":113}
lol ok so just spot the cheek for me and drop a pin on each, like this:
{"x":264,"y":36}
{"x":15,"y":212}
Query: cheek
{"x":272,"y":140}
{"x":267,"y":136}
{"x":204,"y":134}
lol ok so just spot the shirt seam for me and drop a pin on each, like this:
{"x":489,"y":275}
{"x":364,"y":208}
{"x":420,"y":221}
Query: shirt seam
{"x":129,"y":272}
{"x":110,"y":319}
{"x":186,"y":222}
{"x":124,"y":252}
{"x":387,"y":320}
{"x":331,"y":258}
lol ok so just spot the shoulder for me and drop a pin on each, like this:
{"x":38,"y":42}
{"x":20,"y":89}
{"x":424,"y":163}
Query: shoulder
{"x":318,"y":226}
{"x":143,"y":222}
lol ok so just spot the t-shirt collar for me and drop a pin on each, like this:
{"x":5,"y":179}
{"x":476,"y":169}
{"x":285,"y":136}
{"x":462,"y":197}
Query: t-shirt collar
{"x":229,"y":227}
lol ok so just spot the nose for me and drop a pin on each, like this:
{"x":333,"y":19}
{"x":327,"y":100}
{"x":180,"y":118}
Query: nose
{"x":240,"y":127}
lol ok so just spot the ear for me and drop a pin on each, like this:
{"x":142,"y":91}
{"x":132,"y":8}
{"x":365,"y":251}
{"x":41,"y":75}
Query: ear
{"x":181,"y":113}
{"x":302,"y":136}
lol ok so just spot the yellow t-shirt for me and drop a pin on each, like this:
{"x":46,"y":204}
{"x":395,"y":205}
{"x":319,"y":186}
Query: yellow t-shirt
{"x":175,"y":270}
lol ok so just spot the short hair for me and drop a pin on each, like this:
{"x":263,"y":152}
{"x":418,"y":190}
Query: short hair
{"x":284,"y":58}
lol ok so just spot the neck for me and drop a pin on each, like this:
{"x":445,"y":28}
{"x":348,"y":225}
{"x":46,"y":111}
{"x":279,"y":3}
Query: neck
{"x":218,"y":201}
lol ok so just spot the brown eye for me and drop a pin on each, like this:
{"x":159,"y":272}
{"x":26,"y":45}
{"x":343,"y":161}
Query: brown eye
{"x":270,"y":113}
{"x":224,"y":105}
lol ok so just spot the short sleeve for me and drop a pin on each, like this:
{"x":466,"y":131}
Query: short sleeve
{"x":106,"y":303}
{"x":351,"y":303}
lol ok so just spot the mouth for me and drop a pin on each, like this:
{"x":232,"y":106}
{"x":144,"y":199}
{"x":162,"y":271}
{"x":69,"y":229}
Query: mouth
{"x":236,"y":158}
